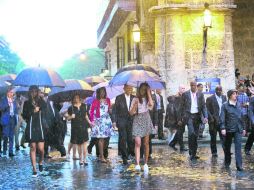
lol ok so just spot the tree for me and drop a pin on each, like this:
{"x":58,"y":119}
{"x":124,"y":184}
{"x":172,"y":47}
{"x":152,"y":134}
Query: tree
{"x":76,"y":67}
{"x":10,"y":62}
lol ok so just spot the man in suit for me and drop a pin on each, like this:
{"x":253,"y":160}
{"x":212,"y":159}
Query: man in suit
{"x":123,"y":121}
{"x":161,"y":111}
{"x":193,"y":107}
{"x":250,"y":139}
{"x":9,"y":110}
{"x":214,"y":104}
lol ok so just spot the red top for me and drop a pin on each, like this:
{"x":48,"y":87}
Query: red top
{"x":96,"y":106}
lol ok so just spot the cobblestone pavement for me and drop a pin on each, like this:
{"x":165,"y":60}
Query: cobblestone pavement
{"x":168,"y":170}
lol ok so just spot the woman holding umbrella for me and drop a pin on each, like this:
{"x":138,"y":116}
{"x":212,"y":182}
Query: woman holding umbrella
{"x":99,"y":115}
{"x":77,"y":113}
{"x":142,"y":123}
{"x":33,"y":111}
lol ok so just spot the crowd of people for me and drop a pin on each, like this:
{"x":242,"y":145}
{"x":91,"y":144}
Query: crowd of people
{"x":138,"y":118}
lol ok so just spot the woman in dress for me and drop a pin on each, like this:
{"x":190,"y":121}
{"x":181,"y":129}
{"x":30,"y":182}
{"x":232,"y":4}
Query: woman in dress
{"x":142,"y":123}
{"x":77,"y":113}
{"x":33,"y":114}
{"x":99,"y":115}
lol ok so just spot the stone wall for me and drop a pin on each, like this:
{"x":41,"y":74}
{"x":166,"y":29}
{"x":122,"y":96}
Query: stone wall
{"x":243,"y":35}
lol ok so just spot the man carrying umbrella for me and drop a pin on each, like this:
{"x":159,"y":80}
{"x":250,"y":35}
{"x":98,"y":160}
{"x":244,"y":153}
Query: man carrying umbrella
{"x":8,"y":107}
{"x":123,"y":121}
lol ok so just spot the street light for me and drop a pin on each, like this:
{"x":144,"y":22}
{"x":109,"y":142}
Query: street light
{"x":207,"y":24}
{"x":136,"y":39}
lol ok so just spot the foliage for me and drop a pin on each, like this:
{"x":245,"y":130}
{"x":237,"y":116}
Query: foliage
{"x":10,"y":62}
{"x":77,"y":68}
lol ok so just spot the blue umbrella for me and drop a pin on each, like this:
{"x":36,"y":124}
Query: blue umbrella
{"x":136,"y":77}
{"x":5,"y":82}
{"x":72,"y":87}
{"x":39,"y":77}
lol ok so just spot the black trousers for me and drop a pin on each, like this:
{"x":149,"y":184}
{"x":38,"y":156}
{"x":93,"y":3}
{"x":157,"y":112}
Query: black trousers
{"x":193,"y":132}
{"x":160,"y":124}
{"x":126,"y":142}
{"x":94,"y":141}
{"x":238,"y":144}
{"x":213,"y":130}
{"x":1,"y":137}
{"x":249,"y":141}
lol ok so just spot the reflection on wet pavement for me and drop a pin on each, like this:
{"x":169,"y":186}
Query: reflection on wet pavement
{"x":168,"y":170}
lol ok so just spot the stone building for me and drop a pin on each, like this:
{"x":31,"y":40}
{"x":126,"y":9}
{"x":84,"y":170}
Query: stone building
{"x":172,"y":38}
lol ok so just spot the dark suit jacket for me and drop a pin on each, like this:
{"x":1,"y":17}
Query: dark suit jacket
{"x":5,"y":110}
{"x":162,"y":103}
{"x":154,"y":112}
{"x":120,"y":109}
{"x":251,"y":110}
{"x":213,"y":108}
{"x":187,"y":105}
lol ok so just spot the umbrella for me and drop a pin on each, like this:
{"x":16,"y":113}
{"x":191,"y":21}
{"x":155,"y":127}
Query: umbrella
{"x":112,"y":91}
{"x":94,"y":80}
{"x":138,"y":67}
{"x":72,"y":87}
{"x":136,"y":77}
{"x":39,"y":77}
{"x":5,"y":81}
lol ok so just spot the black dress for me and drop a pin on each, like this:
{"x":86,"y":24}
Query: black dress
{"x":79,"y":125}
{"x":35,"y":130}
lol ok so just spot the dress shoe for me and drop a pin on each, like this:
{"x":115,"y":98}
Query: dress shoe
{"x":240,"y":169}
{"x":11,"y":154}
{"x":214,"y":155}
{"x":40,"y":167}
{"x":247,"y":152}
{"x":34,"y":174}
{"x":17,"y":148}
{"x":184,"y":149}
{"x":125,"y":162}
{"x":23,"y":146}
{"x":173,"y":146}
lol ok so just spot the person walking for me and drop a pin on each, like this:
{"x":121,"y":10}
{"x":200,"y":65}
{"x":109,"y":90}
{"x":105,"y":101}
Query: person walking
{"x":250,"y":139}
{"x":101,"y":121}
{"x":33,"y":115}
{"x":232,"y":126}
{"x":214,"y":104}
{"x":142,"y":123}
{"x":161,"y":111}
{"x":194,"y":107}
{"x":9,"y":110}
{"x":123,"y":121}
{"x":77,"y":113}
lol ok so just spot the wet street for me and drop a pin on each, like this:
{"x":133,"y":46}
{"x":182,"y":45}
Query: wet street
{"x":168,"y":170}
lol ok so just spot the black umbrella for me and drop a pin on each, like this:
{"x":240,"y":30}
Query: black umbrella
{"x":72,"y":87}
{"x":138,"y":67}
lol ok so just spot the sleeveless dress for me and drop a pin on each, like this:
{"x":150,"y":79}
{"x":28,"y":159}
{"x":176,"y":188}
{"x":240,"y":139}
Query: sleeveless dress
{"x":79,"y":125}
{"x":103,"y":124}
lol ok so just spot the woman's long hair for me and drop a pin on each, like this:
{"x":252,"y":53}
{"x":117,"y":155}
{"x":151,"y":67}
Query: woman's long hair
{"x":140,"y":98}
{"x":98,"y":93}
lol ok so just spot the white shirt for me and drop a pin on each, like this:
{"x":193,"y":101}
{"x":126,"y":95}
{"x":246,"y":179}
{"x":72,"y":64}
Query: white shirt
{"x":194,"y":102}
{"x":219,"y":100}
{"x":52,"y":107}
{"x":10,"y":102}
{"x":128,"y":100}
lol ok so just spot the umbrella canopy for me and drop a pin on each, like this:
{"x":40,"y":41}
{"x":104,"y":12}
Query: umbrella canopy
{"x":39,"y":77}
{"x":94,"y":80}
{"x":136,"y":77}
{"x":112,"y":91}
{"x":138,"y":67}
{"x":72,"y":87}
{"x":5,"y":81}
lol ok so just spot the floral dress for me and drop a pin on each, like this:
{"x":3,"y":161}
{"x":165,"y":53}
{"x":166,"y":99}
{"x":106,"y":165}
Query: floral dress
{"x":102,"y":125}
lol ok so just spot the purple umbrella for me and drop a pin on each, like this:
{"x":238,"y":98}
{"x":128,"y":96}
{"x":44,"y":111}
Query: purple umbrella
{"x":136,"y":77}
{"x":138,"y":67}
{"x":112,"y":91}
{"x":94,"y":80}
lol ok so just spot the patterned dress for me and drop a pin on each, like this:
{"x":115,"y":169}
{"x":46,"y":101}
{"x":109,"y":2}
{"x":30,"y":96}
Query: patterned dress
{"x":103,"y":124}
